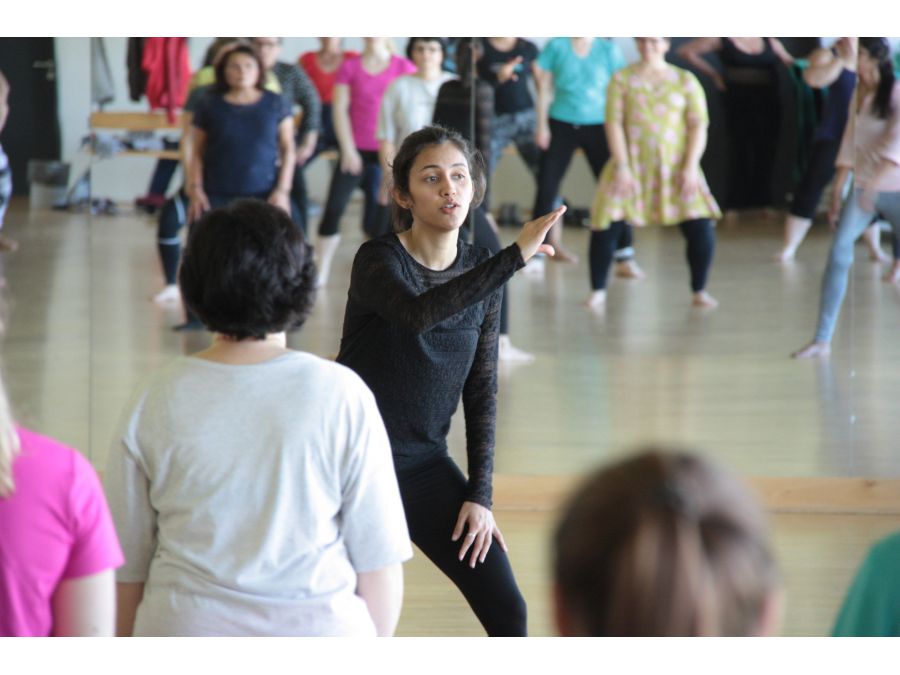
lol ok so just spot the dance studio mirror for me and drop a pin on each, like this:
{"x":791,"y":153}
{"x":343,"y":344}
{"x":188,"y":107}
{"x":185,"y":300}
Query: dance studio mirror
{"x":91,"y":317}
{"x":650,"y":367}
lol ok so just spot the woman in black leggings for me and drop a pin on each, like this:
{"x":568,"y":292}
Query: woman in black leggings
{"x":654,"y":175}
{"x":421,"y":329}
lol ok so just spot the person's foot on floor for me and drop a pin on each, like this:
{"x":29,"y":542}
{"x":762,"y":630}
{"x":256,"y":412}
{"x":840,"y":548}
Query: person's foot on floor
{"x":813,"y":350}
{"x":8,"y":245}
{"x":629,"y":269}
{"x":507,"y":352}
{"x":704,"y":299}
{"x":168,"y":296}
{"x":596,"y":301}
{"x":563,"y":255}
{"x":892,"y":276}
{"x":194,"y":324}
{"x":785,"y":255}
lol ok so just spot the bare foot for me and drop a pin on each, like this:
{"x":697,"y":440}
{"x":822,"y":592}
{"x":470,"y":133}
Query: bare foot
{"x":507,"y":352}
{"x":704,"y":299}
{"x":784,"y":255}
{"x":629,"y":269}
{"x":8,"y":245}
{"x":167,"y":296}
{"x":892,"y":276}
{"x":812,"y":350}
{"x":879,"y":256}
{"x":596,"y":301}
{"x":563,"y":255}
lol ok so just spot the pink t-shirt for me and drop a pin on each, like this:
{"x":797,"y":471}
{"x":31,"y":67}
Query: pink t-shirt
{"x":869,"y":139}
{"x":366,"y":91}
{"x":55,"y":526}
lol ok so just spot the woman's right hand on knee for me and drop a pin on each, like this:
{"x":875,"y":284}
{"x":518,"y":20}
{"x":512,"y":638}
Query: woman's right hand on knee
{"x":531,"y":238}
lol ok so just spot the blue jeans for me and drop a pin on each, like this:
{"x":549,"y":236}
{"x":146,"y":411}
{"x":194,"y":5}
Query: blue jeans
{"x":854,"y":220}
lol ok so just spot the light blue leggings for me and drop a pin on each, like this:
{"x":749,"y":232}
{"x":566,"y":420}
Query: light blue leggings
{"x":854,"y":220}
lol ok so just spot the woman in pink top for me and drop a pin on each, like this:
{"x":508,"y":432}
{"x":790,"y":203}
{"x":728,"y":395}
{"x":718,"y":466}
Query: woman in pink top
{"x":359,"y":86}
{"x":322,"y":67}
{"x":58,"y":546}
{"x":871,"y":149}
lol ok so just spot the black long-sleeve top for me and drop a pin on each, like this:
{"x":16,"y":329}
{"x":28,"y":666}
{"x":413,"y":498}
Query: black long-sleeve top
{"x":421,"y":339}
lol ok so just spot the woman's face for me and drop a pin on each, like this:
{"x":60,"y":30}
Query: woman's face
{"x":867,"y":67}
{"x":241,"y":71}
{"x":330,"y":44}
{"x":375,"y":42}
{"x":440,"y":188}
{"x":652,"y":48}
{"x":269,"y":49}
{"x":427,"y":56}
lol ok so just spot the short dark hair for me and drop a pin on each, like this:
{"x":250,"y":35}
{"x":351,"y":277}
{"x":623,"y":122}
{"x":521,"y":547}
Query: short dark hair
{"x":221,"y":85}
{"x":413,"y":40}
{"x":247,"y":271}
{"x":663,"y":543}
{"x":412,"y":146}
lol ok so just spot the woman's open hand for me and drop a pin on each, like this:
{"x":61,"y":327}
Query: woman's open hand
{"x":198,"y":204}
{"x":531,"y":238}
{"x":481,"y":530}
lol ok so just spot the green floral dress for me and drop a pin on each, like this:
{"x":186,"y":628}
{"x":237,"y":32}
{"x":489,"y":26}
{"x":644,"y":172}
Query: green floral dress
{"x":654,"y":117}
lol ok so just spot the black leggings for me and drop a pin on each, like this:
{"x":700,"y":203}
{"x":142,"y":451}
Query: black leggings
{"x":565,"y":138}
{"x":168,"y":239}
{"x":432,"y":496}
{"x":701,"y":244}
{"x":376,"y":218}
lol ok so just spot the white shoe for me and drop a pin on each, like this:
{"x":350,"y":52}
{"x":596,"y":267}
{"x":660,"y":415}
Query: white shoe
{"x":506,"y":352}
{"x":168,"y":296}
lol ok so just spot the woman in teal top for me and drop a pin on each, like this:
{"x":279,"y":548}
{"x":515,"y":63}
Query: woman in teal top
{"x":572,"y":74}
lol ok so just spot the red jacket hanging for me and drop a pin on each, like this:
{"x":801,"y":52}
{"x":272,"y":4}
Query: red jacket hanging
{"x":167,"y":64}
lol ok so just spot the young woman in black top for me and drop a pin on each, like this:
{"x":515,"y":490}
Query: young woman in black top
{"x":421,"y":329}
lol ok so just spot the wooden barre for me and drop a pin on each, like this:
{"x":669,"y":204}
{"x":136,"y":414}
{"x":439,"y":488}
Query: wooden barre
{"x":134,"y":121}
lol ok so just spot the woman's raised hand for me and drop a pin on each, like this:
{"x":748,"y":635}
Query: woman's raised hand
{"x":531,"y":238}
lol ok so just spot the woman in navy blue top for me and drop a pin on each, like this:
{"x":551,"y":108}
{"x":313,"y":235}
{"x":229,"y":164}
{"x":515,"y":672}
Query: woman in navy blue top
{"x":243,"y":139}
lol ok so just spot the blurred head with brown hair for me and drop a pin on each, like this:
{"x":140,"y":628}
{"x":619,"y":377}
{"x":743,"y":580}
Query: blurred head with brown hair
{"x":664,"y":544}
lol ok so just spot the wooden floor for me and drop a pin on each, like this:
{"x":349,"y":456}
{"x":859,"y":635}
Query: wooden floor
{"x":81,"y":334}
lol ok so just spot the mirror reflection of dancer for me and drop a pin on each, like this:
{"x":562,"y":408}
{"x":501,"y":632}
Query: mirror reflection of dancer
{"x":6,"y":244}
{"x":359,"y":86}
{"x":243,"y":139}
{"x":664,"y":544}
{"x":871,"y":149}
{"x":656,"y":125}
{"x":572,"y":75}
{"x":752,"y":111}
{"x":420,"y":328}
{"x":835,"y":69}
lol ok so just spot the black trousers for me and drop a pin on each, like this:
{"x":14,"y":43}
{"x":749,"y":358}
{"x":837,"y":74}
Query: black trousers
{"x":815,"y":179}
{"x":701,"y":245}
{"x":487,"y":238}
{"x":752,"y":116}
{"x":565,"y":139}
{"x":376,"y":218}
{"x":432,"y":496}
